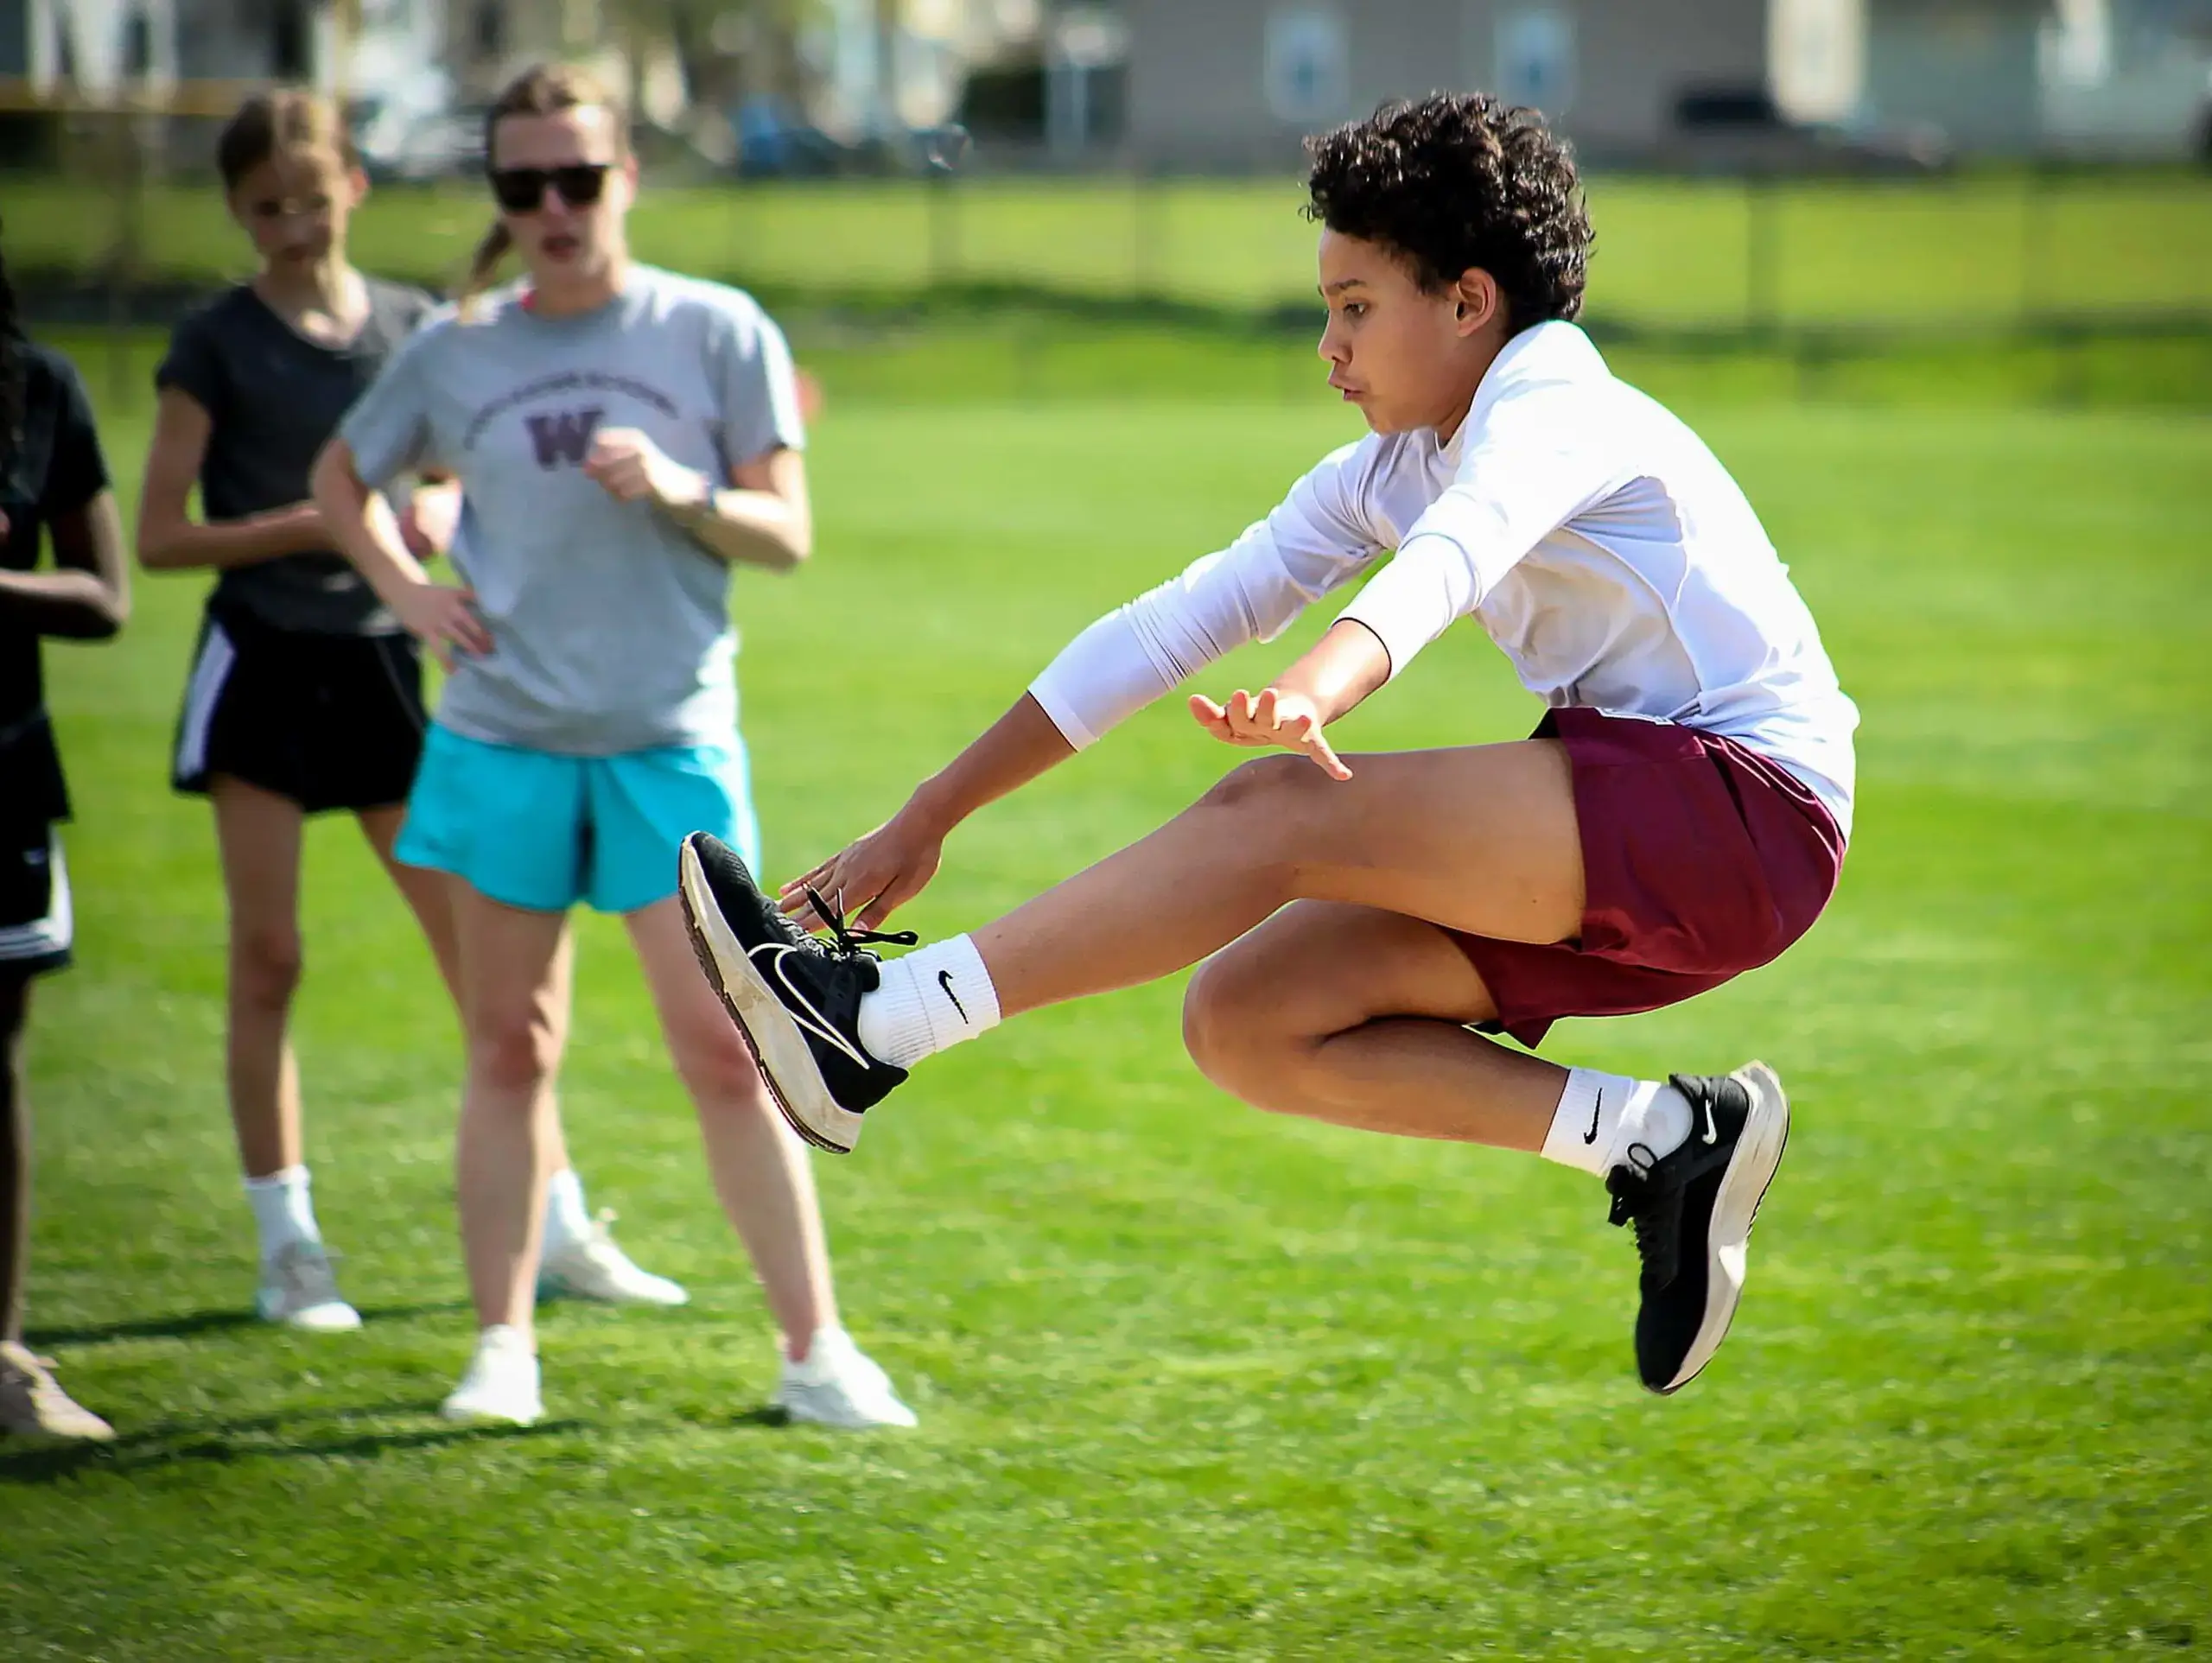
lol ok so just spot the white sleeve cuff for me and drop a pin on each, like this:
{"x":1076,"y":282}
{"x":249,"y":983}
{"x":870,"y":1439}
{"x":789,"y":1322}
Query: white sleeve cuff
{"x":1102,"y":677}
{"x":1430,"y":586}
{"x":1051,"y":695}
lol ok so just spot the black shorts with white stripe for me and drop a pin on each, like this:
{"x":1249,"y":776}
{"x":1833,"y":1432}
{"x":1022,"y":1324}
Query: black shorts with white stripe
{"x":330,"y":721}
{"x":34,"y":923}
{"x":37,"y":929}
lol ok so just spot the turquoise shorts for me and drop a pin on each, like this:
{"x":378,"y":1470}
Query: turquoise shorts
{"x":541,"y":830}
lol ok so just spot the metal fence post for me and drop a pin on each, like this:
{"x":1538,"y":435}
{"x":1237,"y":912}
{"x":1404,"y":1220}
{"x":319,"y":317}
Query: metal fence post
{"x":943,"y":227}
{"x":2035,"y":242}
{"x":1761,"y":253}
{"x":124,"y":153}
{"x":1145,"y":207}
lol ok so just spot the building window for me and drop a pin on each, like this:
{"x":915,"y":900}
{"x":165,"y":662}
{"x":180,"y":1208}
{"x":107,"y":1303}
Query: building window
{"x":489,"y":26}
{"x":290,"y":39}
{"x":1535,"y":59}
{"x":137,"y":45}
{"x":1816,"y":58}
{"x":1306,"y":60}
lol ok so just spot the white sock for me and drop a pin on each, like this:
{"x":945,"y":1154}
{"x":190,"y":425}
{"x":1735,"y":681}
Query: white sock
{"x":821,"y":1348}
{"x":935,"y":997}
{"x":567,"y":1219}
{"x":1599,"y":1115}
{"x":512,"y":1345}
{"x":282,"y":1210}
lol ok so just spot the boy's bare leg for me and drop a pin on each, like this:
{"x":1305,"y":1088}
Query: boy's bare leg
{"x":1355,"y":1016}
{"x":1482,"y":840}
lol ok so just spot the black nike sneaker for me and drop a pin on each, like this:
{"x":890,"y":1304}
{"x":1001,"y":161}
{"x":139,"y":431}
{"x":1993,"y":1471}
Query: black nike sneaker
{"x":1692,"y":1210}
{"x":795,"y":998}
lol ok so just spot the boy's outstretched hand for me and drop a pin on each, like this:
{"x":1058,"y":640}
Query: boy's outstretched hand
{"x":1294,"y":710}
{"x":1271,"y":716}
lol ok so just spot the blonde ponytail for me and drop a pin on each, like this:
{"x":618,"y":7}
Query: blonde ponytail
{"x":484,"y":265}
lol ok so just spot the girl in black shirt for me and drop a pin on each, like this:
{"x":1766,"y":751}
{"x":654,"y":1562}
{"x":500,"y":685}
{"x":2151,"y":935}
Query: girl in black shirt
{"x":305,"y":695}
{"x":53,"y":490}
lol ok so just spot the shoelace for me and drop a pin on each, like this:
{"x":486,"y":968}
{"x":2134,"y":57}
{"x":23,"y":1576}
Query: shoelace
{"x":307,"y":1268}
{"x":854,"y":944}
{"x":601,"y":1240}
{"x":1634,"y":1202}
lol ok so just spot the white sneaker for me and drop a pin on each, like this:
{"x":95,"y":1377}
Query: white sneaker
{"x":595,"y":1268}
{"x":502,"y":1384}
{"x":32,"y":1406}
{"x":299,"y":1289}
{"x":839,"y":1385}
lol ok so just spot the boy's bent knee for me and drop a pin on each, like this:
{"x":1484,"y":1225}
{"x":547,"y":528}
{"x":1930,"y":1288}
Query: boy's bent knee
{"x":1209,"y":1021}
{"x":1227,"y":1033}
{"x":1261,"y":782}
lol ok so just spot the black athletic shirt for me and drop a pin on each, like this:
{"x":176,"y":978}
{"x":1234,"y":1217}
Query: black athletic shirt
{"x":53,"y":470}
{"x":275,"y":397}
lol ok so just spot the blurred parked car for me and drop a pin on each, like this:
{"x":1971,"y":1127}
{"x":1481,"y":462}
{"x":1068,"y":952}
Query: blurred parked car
{"x":1728,"y":130}
{"x":772,"y":144}
{"x":399,"y":142}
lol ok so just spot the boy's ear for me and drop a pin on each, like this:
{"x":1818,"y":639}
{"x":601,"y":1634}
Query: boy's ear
{"x":1478,"y":300}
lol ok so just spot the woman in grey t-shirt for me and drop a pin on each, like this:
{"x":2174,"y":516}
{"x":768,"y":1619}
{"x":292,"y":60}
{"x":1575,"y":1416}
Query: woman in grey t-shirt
{"x":622,"y":436}
{"x":305,"y":694}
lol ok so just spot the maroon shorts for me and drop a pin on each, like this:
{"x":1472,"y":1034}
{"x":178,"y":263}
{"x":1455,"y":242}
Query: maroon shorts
{"x":1700,"y":860}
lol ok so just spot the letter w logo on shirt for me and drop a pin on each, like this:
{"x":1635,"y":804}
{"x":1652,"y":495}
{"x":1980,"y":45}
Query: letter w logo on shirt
{"x":563,"y":438}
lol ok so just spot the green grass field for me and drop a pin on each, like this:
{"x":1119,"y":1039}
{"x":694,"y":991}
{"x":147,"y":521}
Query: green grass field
{"x":1195,"y":1381}
{"x":1974,"y":250}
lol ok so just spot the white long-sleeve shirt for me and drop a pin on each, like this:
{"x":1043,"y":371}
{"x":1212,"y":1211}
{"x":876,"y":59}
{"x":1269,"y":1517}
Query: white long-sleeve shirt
{"x":1605,"y":549}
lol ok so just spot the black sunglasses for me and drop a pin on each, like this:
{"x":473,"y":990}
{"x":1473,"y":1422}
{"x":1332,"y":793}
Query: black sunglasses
{"x":522,"y":190}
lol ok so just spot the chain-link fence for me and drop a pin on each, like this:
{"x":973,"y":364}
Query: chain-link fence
{"x":2021,"y":248}
{"x":1815,"y":266}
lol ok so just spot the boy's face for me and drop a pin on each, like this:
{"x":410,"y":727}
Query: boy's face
{"x":1399,"y":353}
{"x":294,"y":207}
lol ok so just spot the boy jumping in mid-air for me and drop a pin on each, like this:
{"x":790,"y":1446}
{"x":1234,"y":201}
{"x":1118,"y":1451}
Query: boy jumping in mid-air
{"x":1678,"y":817}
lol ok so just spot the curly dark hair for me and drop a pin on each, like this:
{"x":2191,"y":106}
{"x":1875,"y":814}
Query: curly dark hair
{"x":1456,"y":181}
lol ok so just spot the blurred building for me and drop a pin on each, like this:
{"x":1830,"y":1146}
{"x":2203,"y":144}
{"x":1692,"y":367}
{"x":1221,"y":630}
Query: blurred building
{"x":1189,"y":83}
{"x":1966,"y":68}
{"x":1234,"y":82}
{"x":174,"y":46}
{"x":2110,"y":78}
{"x":198,"y":53}
{"x":2128,"y":77}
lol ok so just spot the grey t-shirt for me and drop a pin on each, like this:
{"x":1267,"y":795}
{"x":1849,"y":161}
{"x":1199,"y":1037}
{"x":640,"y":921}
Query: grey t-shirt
{"x":275,"y":397}
{"x":610,"y":627}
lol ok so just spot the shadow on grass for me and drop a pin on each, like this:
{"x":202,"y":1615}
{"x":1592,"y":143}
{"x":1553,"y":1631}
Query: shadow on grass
{"x":293,"y":1434}
{"x":170,"y":1443}
{"x":191,"y":1324}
